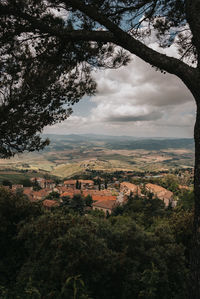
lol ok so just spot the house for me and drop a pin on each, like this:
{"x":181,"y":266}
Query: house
{"x":86,"y":184}
{"x":96,"y":198}
{"x":104,"y":205}
{"x":43,"y":183}
{"x":41,"y":194}
{"x":130,"y":189}
{"x":121,"y":198}
{"x":60,"y":189}
{"x":49,"y":184}
{"x":70,"y":184}
{"x":28,"y":191}
{"x":105,"y":192}
{"x":163,"y":194}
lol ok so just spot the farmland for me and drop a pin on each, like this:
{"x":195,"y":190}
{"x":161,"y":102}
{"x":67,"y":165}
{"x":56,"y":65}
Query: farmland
{"x":69,"y":155}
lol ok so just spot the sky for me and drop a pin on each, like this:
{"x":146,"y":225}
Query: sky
{"x":134,"y":100}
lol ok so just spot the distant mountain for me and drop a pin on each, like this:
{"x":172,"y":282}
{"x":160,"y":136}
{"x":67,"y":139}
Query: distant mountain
{"x":63,"y":142}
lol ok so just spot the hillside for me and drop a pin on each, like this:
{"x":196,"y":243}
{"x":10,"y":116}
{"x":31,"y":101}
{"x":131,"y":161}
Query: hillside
{"x":68,"y":155}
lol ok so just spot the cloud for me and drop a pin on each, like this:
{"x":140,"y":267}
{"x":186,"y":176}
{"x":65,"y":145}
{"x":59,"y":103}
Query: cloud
{"x":135,"y":100}
{"x":133,"y":118}
{"x":137,"y":94}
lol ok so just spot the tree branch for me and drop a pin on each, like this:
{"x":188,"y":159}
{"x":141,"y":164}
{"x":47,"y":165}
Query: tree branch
{"x":114,"y":34}
{"x":128,"y":42}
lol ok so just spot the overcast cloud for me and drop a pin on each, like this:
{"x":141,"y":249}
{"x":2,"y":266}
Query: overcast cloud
{"x":134,"y":100}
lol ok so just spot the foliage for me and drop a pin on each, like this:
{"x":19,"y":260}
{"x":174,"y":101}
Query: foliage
{"x":186,"y":200}
{"x":26,"y":183}
{"x":88,"y":200}
{"x":14,"y":211}
{"x":36,"y":186}
{"x":171,"y":183}
{"x":66,"y":255}
{"x":53,"y":195}
{"x":47,"y":56}
{"x":7,"y":183}
{"x":142,"y":210}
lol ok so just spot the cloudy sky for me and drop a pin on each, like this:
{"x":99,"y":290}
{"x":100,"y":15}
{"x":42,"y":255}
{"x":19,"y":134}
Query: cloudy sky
{"x":134,"y":100}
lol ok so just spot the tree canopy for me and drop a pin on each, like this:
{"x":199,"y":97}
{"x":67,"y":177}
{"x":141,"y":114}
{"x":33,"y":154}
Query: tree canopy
{"x":49,"y":48}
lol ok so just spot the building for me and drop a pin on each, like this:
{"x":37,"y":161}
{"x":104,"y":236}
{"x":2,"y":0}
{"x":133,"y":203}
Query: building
{"x":104,"y":205}
{"x":70,"y":184}
{"x":130,"y":189}
{"x":86,"y":184}
{"x":43,"y":183}
{"x":161,"y":193}
{"x":40,"y":195}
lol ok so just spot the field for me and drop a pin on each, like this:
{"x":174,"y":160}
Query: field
{"x":70,"y":155}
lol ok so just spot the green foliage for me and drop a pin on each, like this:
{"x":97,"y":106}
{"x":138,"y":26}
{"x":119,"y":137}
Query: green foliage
{"x":53,"y":195}
{"x":141,"y":253}
{"x":186,"y":200}
{"x":26,"y":183}
{"x":171,"y":183}
{"x":14,"y":211}
{"x":88,"y":200}
{"x":7,"y":183}
{"x":36,"y":186}
{"x":143,"y":210}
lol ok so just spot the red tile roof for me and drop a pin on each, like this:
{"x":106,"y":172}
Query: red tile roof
{"x":97,"y":192}
{"x":70,"y":182}
{"x":103,"y":198}
{"x":50,"y":203}
{"x":105,"y":204}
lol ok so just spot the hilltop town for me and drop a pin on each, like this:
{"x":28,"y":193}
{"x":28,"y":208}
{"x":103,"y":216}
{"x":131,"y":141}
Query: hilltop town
{"x":102,"y":195}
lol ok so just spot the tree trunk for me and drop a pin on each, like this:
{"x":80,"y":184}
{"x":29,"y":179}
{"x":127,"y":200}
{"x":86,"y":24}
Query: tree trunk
{"x":194,"y":291}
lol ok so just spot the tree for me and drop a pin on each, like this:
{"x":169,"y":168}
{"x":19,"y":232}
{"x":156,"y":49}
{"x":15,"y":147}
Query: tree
{"x":46,"y":61}
{"x":7,"y":183}
{"x":36,"y":186}
{"x":14,"y":211}
{"x":77,"y":184}
{"x":53,"y":195}
{"x":88,"y":200}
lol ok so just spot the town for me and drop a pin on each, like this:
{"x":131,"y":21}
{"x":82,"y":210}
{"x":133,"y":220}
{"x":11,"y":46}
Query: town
{"x":102,"y":195}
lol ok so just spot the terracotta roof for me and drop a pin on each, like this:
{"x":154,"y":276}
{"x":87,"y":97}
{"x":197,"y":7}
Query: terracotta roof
{"x":156,"y":188}
{"x":106,"y":204}
{"x":104,"y":198}
{"x":28,"y":190}
{"x":50,"y":203}
{"x":41,"y":193}
{"x":86,"y":181}
{"x":129,"y":185}
{"x":96,"y":192}
{"x":70,"y":182}
{"x":159,"y":191}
